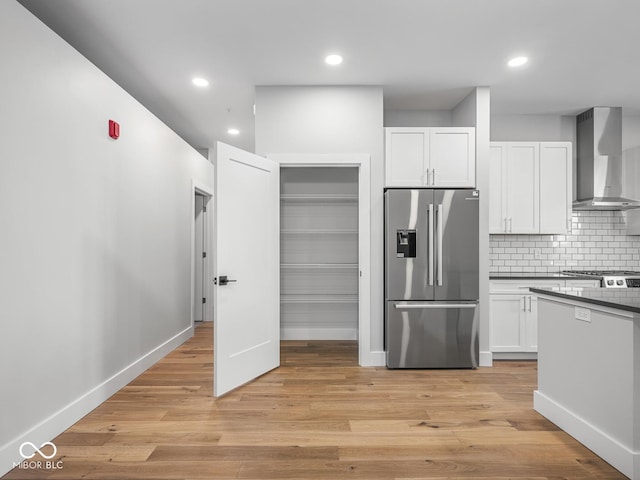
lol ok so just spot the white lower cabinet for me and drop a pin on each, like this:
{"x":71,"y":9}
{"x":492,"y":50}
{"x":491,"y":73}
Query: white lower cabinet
{"x":514,"y":312}
{"x":513,"y":323}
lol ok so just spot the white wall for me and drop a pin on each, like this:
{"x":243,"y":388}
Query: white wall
{"x":417,"y":118}
{"x":553,"y":128}
{"x":332,"y":120}
{"x":95,"y":249}
{"x":630,"y":131}
{"x":533,"y":128}
{"x":475,"y":111}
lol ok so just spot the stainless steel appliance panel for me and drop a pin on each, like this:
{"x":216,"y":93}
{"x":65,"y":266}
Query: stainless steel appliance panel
{"x":432,"y":334}
{"x":457,"y":244}
{"x":409,"y":278}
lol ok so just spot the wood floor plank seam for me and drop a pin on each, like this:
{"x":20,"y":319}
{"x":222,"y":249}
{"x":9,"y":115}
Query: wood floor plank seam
{"x":321,"y":416}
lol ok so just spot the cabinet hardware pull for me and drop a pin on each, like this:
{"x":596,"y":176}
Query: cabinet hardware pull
{"x":439,"y":245}
{"x":430,"y":246}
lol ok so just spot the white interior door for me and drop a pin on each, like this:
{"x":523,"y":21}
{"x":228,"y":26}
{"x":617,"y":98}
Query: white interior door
{"x":247,"y":308}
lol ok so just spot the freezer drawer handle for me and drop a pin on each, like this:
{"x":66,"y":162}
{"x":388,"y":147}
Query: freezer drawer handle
{"x":435,"y":305}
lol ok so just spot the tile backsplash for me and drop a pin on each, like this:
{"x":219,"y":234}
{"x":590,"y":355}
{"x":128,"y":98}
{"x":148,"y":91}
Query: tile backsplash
{"x":597,"y":241}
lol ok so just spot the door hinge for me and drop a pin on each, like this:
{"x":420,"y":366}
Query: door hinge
{"x":204,"y":209}
{"x":204,"y":300}
{"x":204,"y":254}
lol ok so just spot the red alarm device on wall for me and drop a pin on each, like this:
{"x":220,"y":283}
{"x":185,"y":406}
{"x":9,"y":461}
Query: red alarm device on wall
{"x":114,"y":129}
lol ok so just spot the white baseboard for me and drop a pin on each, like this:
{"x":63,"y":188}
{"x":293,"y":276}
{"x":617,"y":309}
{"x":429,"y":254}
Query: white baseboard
{"x":618,"y":455}
{"x":515,"y":356}
{"x":373,"y":359}
{"x":486,"y":359}
{"x":293,"y":333}
{"x":57,"y":423}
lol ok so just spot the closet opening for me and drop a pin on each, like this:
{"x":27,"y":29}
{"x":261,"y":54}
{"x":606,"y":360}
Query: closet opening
{"x":319,"y":255}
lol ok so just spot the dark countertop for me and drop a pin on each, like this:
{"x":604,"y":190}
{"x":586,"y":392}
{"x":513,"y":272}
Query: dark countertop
{"x":534,"y":276}
{"x":627,"y":299}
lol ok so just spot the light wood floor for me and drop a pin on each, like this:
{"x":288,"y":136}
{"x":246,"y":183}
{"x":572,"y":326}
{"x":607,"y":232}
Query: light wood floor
{"x":320,"y":416}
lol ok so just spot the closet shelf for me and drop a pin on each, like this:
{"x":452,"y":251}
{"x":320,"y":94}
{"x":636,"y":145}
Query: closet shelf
{"x":303,"y":231}
{"x":315,"y":299}
{"x":353,"y":266}
{"x":319,"y":198}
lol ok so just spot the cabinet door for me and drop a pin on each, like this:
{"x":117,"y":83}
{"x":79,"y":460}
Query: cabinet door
{"x":452,"y":157}
{"x":555,"y":187}
{"x":406,"y":150}
{"x":497,"y":187}
{"x":531,"y":307}
{"x":523,"y":202}
{"x":508,"y":323}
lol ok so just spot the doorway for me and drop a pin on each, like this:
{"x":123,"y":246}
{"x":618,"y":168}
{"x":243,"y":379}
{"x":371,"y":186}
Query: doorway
{"x":247,"y":261}
{"x":352,"y":256}
{"x":200,"y":268}
{"x":319,"y":253}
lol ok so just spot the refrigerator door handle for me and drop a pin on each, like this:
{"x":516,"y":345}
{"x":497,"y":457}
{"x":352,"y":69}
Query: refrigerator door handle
{"x":430,"y":246}
{"x":415,"y":306}
{"x":439,"y":245}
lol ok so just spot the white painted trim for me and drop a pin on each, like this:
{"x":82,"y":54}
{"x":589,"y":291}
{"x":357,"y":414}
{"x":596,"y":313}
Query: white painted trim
{"x":207,"y":191}
{"x":306,"y":333}
{"x":486,"y":359}
{"x":591,"y":306}
{"x":60,"y":421}
{"x":618,"y":455}
{"x":377,"y":358}
{"x":515,"y":355}
{"x":361,"y":161}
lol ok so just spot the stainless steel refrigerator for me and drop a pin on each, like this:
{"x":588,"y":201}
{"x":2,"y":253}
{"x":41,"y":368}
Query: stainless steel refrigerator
{"x":431,"y":278}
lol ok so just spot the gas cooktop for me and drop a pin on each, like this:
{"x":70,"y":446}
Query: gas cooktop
{"x":611,"y":278}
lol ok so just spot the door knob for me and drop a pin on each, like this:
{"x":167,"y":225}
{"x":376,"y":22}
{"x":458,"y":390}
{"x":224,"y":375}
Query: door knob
{"x":223,"y":280}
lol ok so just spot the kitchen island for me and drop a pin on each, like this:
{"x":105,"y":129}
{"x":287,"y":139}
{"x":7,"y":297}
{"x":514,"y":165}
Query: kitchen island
{"x":589,"y":369}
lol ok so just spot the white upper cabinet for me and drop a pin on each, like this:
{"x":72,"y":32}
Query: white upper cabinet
{"x":523,"y":187}
{"x":452,"y":152}
{"x":430,"y":157}
{"x":555,"y":187}
{"x":530,"y":187}
{"x":406,"y":152}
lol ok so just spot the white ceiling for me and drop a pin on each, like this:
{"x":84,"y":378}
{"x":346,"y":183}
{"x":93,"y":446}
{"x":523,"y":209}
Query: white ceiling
{"x":426,"y":54}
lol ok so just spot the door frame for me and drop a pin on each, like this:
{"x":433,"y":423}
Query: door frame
{"x":361,"y":161}
{"x":199,"y":188}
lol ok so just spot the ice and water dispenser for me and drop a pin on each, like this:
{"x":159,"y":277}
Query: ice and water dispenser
{"x":405,"y":243}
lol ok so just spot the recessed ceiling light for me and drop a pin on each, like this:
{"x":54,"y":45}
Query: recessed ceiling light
{"x":233,"y":131}
{"x":200,"y":82}
{"x":333,"y":59}
{"x":517,"y":61}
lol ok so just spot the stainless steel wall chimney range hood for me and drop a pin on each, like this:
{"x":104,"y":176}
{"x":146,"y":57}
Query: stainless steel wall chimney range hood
{"x":599,"y":166}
